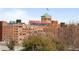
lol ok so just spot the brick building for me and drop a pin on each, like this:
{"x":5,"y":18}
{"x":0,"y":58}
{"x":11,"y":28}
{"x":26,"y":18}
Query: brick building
{"x":3,"y":30}
{"x":16,"y":31}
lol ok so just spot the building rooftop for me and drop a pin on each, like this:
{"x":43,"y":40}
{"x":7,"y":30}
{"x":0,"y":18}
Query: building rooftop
{"x":38,"y":22}
{"x":46,"y":15}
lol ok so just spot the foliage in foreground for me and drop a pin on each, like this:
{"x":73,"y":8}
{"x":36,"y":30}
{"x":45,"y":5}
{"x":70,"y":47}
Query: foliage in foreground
{"x":41,"y":43}
{"x":11,"y":45}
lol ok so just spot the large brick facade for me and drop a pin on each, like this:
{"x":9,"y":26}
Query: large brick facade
{"x":3,"y":30}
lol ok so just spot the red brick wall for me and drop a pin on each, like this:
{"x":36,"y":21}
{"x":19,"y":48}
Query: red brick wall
{"x":0,"y":31}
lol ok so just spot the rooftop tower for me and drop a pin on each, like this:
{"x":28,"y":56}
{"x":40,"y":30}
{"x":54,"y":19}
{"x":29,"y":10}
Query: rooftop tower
{"x":46,"y":17}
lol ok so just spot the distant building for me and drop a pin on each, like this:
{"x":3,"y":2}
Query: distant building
{"x":38,"y":25}
{"x":46,"y":18}
{"x":45,"y":23}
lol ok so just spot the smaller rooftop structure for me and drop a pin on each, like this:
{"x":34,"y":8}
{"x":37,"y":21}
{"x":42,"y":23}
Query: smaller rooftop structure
{"x":14,"y":22}
{"x":18,"y":21}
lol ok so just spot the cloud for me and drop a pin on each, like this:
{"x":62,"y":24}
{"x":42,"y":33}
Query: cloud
{"x":13,"y":14}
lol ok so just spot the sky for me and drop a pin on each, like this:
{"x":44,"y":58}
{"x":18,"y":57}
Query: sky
{"x":67,"y":15}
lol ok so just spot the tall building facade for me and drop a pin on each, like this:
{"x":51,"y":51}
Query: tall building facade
{"x":16,"y":31}
{"x":3,"y":30}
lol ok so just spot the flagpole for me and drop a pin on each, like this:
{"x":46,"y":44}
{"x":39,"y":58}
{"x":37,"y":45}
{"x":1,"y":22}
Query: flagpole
{"x":47,"y":10}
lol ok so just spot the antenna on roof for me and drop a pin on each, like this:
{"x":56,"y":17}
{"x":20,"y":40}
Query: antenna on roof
{"x":47,"y":10}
